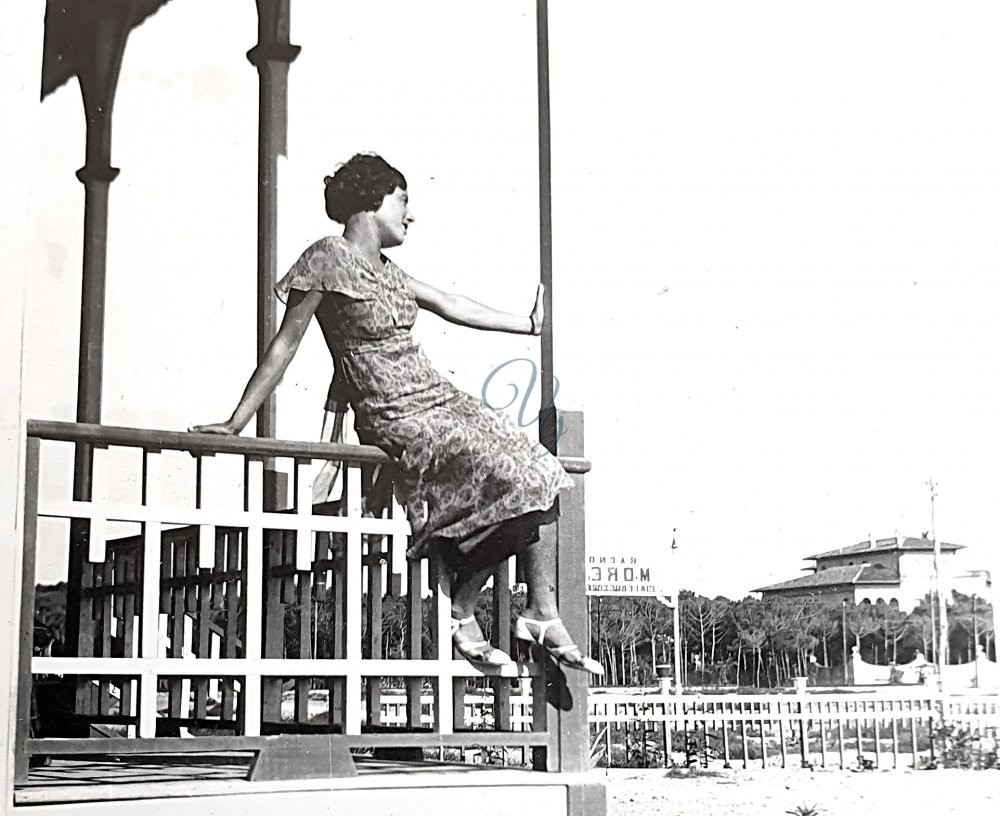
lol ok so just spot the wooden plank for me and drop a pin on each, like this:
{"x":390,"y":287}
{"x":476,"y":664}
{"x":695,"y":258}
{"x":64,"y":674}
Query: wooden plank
{"x":373,"y":611}
{"x":150,"y":626}
{"x":414,"y":639}
{"x":29,"y":553}
{"x":441,"y":629}
{"x":202,"y":627}
{"x":176,"y":706}
{"x":235,"y":561}
{"x":303,"y":684}
{"x":502,"y":640}
{"x":130,"y":565}
{"x":253,"y":599}
{"x":569,"y":722}
{"x":120,"y":746}
{"x":213,"y":443}
{"x":352,"y":587}
{"x":274,"y":619}
{"x":107,"y":615}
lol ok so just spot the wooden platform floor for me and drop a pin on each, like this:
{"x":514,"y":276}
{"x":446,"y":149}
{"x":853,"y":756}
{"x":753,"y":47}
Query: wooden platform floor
{"x":105,"y":779}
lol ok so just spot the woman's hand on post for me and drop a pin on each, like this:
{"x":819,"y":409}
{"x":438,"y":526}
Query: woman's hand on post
{"x":537,"y":316}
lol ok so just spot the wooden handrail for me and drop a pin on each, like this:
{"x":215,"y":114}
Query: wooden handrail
{"x":207,"y":444}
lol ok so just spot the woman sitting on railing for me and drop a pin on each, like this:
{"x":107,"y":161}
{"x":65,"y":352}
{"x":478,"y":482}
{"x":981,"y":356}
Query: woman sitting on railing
{"x":471,"y":483}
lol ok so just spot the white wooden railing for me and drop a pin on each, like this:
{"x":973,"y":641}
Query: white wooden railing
{"x":201,"y":542}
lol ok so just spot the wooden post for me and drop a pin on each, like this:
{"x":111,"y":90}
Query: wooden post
{"x":501,"y":625}
{"x":93,"y":40}
{"x":271,"y":56}
{"x":547,"y":418}
{"x":568,"y":718}
{"x":24,"y":679}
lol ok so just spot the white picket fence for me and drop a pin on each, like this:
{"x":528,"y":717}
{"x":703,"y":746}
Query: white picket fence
{"x":886,"y":728}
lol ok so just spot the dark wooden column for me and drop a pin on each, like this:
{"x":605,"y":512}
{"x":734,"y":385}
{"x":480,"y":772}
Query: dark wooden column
{"x":547,"y":421}
{"x":95,"y":42}
{"x":271,"y":56}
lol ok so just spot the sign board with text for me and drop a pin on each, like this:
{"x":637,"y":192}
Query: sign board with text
{"x":627,"y":575}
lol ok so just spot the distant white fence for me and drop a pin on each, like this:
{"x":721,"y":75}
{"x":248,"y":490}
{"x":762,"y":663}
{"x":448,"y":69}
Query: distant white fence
{"x":888,"y":728}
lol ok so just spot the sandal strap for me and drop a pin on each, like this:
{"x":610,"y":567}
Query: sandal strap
{"x":457,"y":623}
{"x":543,"y":627}
{"x":467,"y":647}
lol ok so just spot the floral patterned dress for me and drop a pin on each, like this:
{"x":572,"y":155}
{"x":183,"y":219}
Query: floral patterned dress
{"x":462,"y":463}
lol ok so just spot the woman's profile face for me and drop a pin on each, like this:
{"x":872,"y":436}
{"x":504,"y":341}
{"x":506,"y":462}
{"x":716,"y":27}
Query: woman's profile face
{"x":393,"y":217}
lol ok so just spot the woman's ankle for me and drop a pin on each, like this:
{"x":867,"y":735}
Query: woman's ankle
{"x":541,"y":612}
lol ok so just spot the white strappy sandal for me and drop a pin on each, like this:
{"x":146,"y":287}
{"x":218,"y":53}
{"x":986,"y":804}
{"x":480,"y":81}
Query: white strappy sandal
{"x":559,"y":653}
{"x":477,"y":651}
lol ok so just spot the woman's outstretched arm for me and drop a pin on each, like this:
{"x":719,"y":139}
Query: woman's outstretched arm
{"x":466,"y":312}
{"x":301,"y":307}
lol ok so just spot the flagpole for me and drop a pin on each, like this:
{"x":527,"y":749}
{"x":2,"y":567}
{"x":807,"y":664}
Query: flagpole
{"x":678,"y":689}
{"x":942,"y":628}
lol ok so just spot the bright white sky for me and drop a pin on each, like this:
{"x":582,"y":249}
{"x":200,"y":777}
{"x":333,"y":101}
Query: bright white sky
{"x":777,"y":236}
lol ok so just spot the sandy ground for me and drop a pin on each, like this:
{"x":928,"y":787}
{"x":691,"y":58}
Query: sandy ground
{"x":740,"y":792}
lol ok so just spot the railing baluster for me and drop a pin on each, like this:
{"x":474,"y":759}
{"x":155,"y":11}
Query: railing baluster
{"x":352,"y":703}
{"x":253,"y":599}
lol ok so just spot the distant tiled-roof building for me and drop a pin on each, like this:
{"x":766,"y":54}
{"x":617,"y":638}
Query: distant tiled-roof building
{"x":897,"y":569}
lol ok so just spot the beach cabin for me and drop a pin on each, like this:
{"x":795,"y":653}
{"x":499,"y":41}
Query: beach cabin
{"x":189,"y":674}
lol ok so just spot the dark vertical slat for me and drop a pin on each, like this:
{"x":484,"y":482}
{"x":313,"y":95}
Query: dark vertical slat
{"x":85,"y":632}
{"x":131,"y":578}
{"x":166,"y":560}
{"x":274,"y":619}
{"x":320,"y":554}
{"x":373,"y":611}
{"x":218,"y":582}
{"x":414,"y":639}
{"x":175,"y":705}
{"x":203,"y":631}
{"x":501,"y":625}
{"x":107,"y":614}
{"x":459,"y":685}
{"x":192,"y":581}
{"x":117,"y":557}
{"x":338,"y":701}
{"x":234,"y":544}
{"x":27,"y":628}
{"x":302,"y":684}
{"x":287,"y":561}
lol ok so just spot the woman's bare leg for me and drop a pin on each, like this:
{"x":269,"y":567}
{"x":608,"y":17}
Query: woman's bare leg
{"x":465,"y":590}
{"x":539,"y":564}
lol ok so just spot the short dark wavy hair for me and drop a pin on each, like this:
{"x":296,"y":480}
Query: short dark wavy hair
{"x":359,"y":185}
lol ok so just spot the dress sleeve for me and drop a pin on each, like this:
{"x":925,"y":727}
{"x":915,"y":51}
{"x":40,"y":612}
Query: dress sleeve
{"x":327,"y":266}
